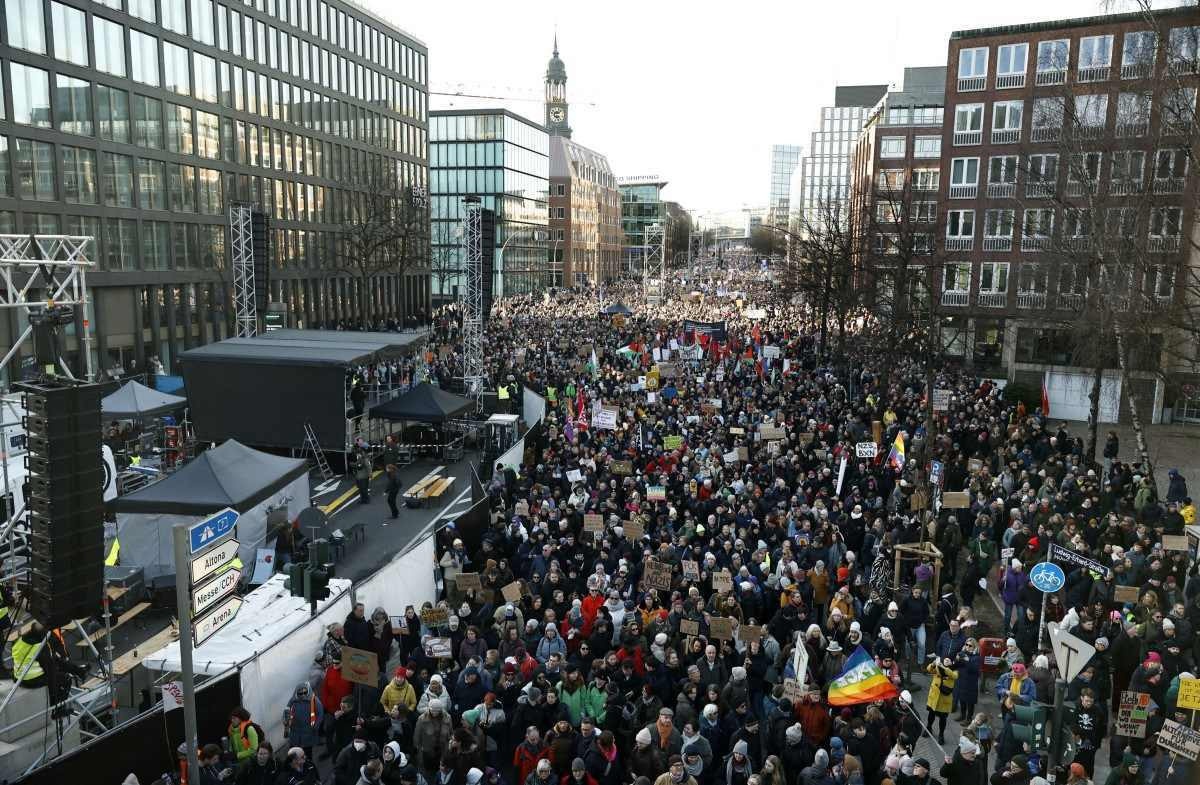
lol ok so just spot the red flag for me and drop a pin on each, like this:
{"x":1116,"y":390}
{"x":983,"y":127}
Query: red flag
{"x":756,"y":334}
{"x":581,"y":421}
{"x":1045,"y":399}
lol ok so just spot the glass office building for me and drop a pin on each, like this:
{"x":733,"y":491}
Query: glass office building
{"x":784,"y":160}
{"x":504,"y":159}
{"x":138,"y":121}
{"x":641,"y":205}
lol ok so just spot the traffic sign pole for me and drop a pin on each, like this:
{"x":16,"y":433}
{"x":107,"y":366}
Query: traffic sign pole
{"x":183,"y":602}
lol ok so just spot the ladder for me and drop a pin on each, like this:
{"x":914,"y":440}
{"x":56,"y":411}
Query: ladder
{"x":312,"y":445}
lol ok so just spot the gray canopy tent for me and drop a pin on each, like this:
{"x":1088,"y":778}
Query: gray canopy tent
{"x":134,"y":400}
{"x":423,"y":403}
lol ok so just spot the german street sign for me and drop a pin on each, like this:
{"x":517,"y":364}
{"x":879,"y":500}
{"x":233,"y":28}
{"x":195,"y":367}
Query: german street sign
{"x":208,"y":623}
{"x":1047,"y":577}
{"x":1071,"y":653}
{"x":213,"y":560}
{"x":212,"y":529}
{"x":215,"y":590}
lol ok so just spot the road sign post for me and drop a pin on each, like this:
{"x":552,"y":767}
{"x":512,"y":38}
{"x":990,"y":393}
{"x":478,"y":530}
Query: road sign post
{"x":1046,"y":578}
{"x":183,"y":602}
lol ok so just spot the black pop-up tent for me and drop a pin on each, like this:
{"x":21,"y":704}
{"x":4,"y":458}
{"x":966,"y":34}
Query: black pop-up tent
{"x":423,"y":403}
{"x":618,"y":308}
{"x":135,"y":400}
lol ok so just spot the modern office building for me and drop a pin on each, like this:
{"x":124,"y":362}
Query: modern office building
{"x":895,"y":172}
{"x":139,"y":121}
{"x":825,"y":184}
{"x":785,"y":158}
{"x":1062,"y":140}
{"x":641,"y":205}
{"x":504,"y":159}
{"x":585,"y":206}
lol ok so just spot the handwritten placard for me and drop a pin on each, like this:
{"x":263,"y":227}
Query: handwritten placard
{"x":804,"y":439}
{"x":956,"y":500}
{"x":658,"y":575}
{"x":360,"y":666}
{"x":438,"y":647}
{"x":738,"y":431}
{"x":512,"y":592}
{"x":770,"y":432}
{"x":656,"y":493}
{"x":793,"y":690}
{"x":622,"y":468}
{"x":974,"y":466}
{"x":1125,"y":593}
{"x":593,"y":522}
{"x":468,"y":581}
{"x":749,"y":632}
{"x":743,"y":452}
{"x":521,"y":508}
{"x":691,"y":570}
{"x":720,"y":628}
{"x":435,"y":617}
{"x":634,"y":530}
{"x":672,"y":442}
{"x":689,"y":627}
{"x":722,"y":581}
{"x":1175,"y":542}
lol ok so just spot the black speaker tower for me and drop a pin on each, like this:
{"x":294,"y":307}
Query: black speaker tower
{"x":260,"y":231}
{"x":66,"y":506}
{"x":487,"y":242}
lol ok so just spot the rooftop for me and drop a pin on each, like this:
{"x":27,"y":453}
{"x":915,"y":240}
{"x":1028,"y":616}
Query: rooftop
{"x":485,"y":112}
{"x":1082,"y":21}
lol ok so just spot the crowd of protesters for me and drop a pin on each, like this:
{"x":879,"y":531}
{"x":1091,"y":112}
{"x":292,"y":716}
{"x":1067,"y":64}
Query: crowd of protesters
{"x":598,"y":673}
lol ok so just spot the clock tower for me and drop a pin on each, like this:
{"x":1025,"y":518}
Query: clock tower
{"x":556,"y":95}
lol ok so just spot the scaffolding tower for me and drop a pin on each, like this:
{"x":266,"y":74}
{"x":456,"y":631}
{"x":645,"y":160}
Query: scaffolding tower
{"x":241,"y":245}
{"x":654,"y":267}
{"x":473,"y":315}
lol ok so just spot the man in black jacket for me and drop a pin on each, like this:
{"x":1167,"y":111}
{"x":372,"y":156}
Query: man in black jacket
{"x":356,"y":629}
{"x":966,"y":767}
{"x":352,"y":758}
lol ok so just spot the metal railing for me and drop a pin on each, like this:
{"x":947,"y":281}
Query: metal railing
{"x":958,"y":243}
{"x":1125,"y":187}
{"x":995,"y":243}
{"x":992,"y":299}
{"x":1050,"y":76}
{"x":968,"y":137}
{"x":1137,"y":70}
{"x":1163,"y":244}
{"x":964,"y":191}
{"x":1045,"y":133}
{"x":1130,"y":130}
{"x":1008,"y":81}
{"x":1168,"y":185}
{"x":1001,"y":190}
{"x":1039,"y":189}
{"x":956,"y":298}
{"x":1095,"y":73}
{"x":971,"y":84}
{"x":1031,"y":300}
{"x":1034,"y":243}
{"x":1006,"y":135}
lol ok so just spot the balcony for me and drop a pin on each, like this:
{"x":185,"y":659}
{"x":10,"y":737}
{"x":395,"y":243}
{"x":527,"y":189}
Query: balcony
{"x":1006,"y":135}
{"x":1137,"y":70}
{"x":992,"y":299}
{"x":964,"y":191}
{"x":1050,"y":76}
{"x":1163,"y":244}
{"x":997,"y":243}
{"x":1001,"y":190}
{"x":1168,"y":185}
{"x":956,"y":298}
{"x":1125,"y":187}
{"x":1132,"y":130}
{"x":962,"y":138}
{"x":1031,"y":300}
{"x":1045,"y":133}
{"x":1095,"y":73}
{"x":958,"y":243}
{"x":1070,"y":301}
{"x":1182,"y":66}
{"x":1037,"y":189}
{"x":1082,"y":188}
{"x":1008,"y":81}
{"x":1087,"y":131}
{"x":971,"y":84}
{"x":1081,"y":243}
{"x":1034,"y":244}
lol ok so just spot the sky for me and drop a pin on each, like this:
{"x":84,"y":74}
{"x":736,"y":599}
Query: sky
{"x":695,"y":92}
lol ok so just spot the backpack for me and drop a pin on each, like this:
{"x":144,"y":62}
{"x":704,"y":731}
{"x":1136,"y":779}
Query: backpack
{"x":262,"y":734}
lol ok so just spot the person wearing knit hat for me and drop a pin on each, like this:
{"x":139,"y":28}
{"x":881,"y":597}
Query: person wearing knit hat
{"x":643,"y":737}
{"x":794,"y":734}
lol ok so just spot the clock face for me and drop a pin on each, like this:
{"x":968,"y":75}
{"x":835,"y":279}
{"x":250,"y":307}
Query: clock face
{"x":557,"y":114}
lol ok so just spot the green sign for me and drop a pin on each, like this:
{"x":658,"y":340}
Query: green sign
{"x":672,"y":442}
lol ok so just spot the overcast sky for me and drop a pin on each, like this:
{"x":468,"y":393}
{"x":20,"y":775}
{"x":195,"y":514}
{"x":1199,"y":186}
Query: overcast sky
{"x":695,"y":92}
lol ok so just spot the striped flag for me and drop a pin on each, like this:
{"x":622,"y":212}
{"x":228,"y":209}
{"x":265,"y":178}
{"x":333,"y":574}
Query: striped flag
{"x":895,"y":457}
{"x":861,"y":681}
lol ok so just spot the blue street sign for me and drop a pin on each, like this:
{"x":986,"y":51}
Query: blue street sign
{"x":212,"y":529}
{"x":935,"y":473}
{"x":1047,"y":577}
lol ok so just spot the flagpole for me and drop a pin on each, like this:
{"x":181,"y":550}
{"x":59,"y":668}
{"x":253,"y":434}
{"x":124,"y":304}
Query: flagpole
{"x":925,"y":728}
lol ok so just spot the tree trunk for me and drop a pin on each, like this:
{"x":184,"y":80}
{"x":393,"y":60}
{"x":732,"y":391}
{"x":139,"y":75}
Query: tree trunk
{"x":1135,"y":417}
{"x":1094,"y":412}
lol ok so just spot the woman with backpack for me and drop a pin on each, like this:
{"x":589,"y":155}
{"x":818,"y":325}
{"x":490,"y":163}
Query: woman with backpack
{"x":244,"y":735}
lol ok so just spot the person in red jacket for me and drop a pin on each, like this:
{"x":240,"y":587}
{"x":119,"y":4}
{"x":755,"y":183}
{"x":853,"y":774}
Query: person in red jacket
{"x":334,"y":687}
{"x":528,"y":753}
{"x":578,"y":775}
{"x":591,"y":606}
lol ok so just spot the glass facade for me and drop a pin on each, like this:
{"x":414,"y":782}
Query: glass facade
{"x":140,"y":121}
{"x":784,"y":160}
{"x":503,"y":159}
{"x":825,"y":171}
{"x":641,"y":205}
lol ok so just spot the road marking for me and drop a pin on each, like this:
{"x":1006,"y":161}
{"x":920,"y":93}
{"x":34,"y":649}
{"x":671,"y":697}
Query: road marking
{"x":440,"y":515}
{"x":332,"y":507}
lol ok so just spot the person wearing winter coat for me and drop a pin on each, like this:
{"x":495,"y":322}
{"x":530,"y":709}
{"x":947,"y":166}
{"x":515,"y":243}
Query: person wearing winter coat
{"x":581,"y":698}
{"x":663,"y":733}
{"x":797,"y":753}
{"x":302,"y":719}
{"x":739,"y":767}
{"x":1177,"y":489}
{"x":865,"y":747}
{"x":527,"y":754}
{"x":966,"y":688}
{"x":676,"y":773}
{"x":259,"y":770}
{"x":550,"y":643}
{"x":431,"y":737}
{"x":395,"y":762}
{"x":818,"y":772}
{"x":348,"y":764}
{"x":1012,"y":583}
{"x":603,"y":761}
{"x":941,"y":694}
{"x":966,"y":767}
{"x":646,"y":760}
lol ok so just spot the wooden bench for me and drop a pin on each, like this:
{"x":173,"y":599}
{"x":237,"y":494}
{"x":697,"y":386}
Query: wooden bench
{"x":415,"y":492}
{"x":124,"y":617}
{"x":438,"y":488}
{"x":131,"y":659}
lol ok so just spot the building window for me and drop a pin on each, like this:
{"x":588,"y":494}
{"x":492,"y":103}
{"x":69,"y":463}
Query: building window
{"x":1095,"y":57}
{"x":147,"y":122}
{"x":117,"y":180}
{"x":175,"y":69}
{"x":1091,"y":115}
{"x":964,"y":178}
{"x":152,"y":184}
{"x":960,"y":230}
{"x":208,"y":135}
{"x":1052,"y":58}
{"x":120,"y":244}
{"x":1182,"y":49}
{"x":956,"y":277}
{"x":927,"y":147}
{"x":26,"y":25}
{"x":78,"y":175}
{"x":1007,"y":117}
{"x":110,"y":46}
{"x":924,"y":212}
{"x":1037,"y":225}
{"x":561,"y":189}
{"x":73,"y":105}
{"x":174,"y":16}
{"x":998,"y":230}
{"x":112,"y":112}
{"x":1165,"y":221}
{"x":70,"y":34}
{"x":891,"y":147}
{"x":972,"y":68}
{"x":1137,"y":54}
{"x":180,"y":138}
{"x":144,"y":51}
{"x":202,"y":21}
{"x":1128,"y":172}
{"x":1120,"y":223}
{"x":210,"y":191}
{"x":993,"y":277}
{"x":33,"y":163}
{"x":1002,"y":176}
{"x":206,"y":77}
{"x":182,"y":188}
{"x":927,"y":179}
{"x":890,"y":179}
{"x":1179,"y":110}
{"x":5,"y":173}
{"x":1077,"y":223}
{"x":1133,"y":114}
{"x":968,"y":124}
{"x":1047,"y":121}
{"x":31,"y":95}
{"x":156,"y":245}
{"x":1011,"y":61}
{"x":143,"y":9}
{"x":1083,"y":176}
{"x":1170,"y":170}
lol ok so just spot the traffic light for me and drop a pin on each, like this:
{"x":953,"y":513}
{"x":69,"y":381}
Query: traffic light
{"x":1029,"y":724}
{"x":294,"y":582}
{"x":316,"y":583}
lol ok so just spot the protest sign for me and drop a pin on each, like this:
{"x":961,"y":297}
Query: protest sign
{"x":919,"y":500}
{"x":605,"y":420}
{"x":794,"y":691}
{"x":593,"y":522}
{"x":974,"y":466}
{"x":804,"y":439}
{"x":658,"y":575}
{"x":521,"y":508}
{"x":1125,"y":593}
{"x":738,"y":431}
{"x":1175,"y":542}
{"x":360,"y":666}
{"x":672,"y":442}
{"x":749,"y":632}
{"x":956,"y":500}
{"x":770,"y":432}
{"x":730,"y":457}
{"x":468,"y":581}
{"x":866,"y":450}
{"x":1189,"y":694}
{"x":1179,"y":739}
{"x":435,"y":617}
{"x":743,"y":452}
{"x":622,"y":468}
{"x":574,"y":475}
{"x":656,"y":493}
{"x":1133,"y":714}
{"x":438,"y":647}
{"x":689,"y":627}
{"x":691,"y":570}
{"x":941,"y":400}
{"x":667,"y":370}
{"x":634,"y":530}
{"x":722,"y":581}
{"x":720,"y":628}
{"x":770,"y":352}
{"x":512,"y":592}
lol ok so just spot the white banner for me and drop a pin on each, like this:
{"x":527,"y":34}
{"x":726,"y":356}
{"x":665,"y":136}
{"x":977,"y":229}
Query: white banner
{"x":770,"y":352}
{"x":841,"y":476}
{"x":605,"y":420}
{"x":172,"y":692}
{"x":866,"y":450}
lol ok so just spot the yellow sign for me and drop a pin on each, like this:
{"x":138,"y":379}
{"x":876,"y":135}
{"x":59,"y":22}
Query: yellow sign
{"x":1189,"y":694}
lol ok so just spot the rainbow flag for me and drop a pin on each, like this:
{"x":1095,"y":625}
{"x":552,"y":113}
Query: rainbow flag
{"x":895,"y":457}
{"x":861,"y":681}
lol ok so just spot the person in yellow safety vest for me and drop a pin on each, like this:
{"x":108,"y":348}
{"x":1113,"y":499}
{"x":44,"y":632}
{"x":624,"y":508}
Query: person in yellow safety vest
{"x":7,"y":603}
{"x":27,"y":656}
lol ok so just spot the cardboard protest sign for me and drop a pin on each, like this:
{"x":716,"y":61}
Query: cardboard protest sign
{"x":737,"y":431}
{"x":1179,"y":739}
{"x":956,"y":500}
{"x":521,"y":508}
{"x":435,"y":617}
{"x":722,"y":581}
{"x":770,"y":432}
{"x":667,"y":370}
{"x":622,"y":468}
{"x":468,"y":581}
{"x":689,"y":627}
{"x":1125,"y":593}
{"x":749,"y":632}
{"x":656,"y":493}
{"x":919,"y":500}
{"x":593,"y":522}
{"x":691,"y":570}
{"x":634,"y":530}
{"x":720,"y":628}
{"x":804,"y":439}
{"x":512,"y":592}
{"x":439,"y":647}
{"x":672,"y":442}
{"x":793,"y":690}
{"x":730,"y":457}
{"x":360,"y":666}
{"x":974,"y":466}
{"x":1133,"y":714}
{"x":1189,"y":694}
{"x":658,"y":575}
{"x":1175,"y":542}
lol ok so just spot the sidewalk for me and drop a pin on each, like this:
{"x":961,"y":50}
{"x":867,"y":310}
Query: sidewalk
{"x":1170,"y":447}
